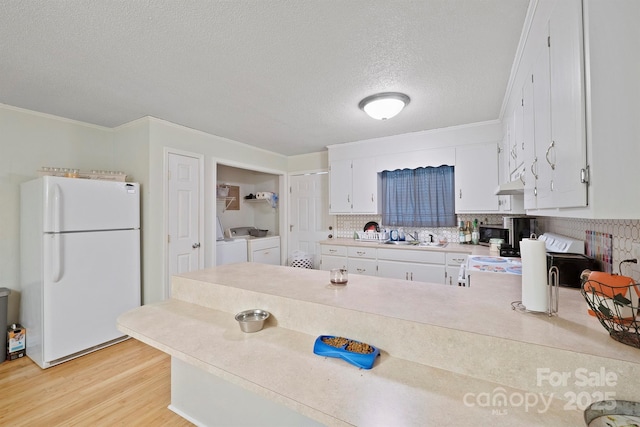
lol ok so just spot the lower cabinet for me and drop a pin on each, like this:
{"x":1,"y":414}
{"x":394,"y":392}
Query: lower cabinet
{"x":362,"y":260}
{"x":329,"y":262}
{"x":265,"y":251}
{"x":421,"y":265}
{"x":411,"y":271}
{"x":333,"y":257}
{"x":454,"y":261}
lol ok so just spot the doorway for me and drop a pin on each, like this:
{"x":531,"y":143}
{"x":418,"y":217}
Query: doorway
{"x":184,"y":214}
{"x":309,"y":219}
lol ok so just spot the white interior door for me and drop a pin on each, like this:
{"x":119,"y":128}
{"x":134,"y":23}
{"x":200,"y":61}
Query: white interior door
{"x":310,"y":221}
{"x":184,"y":212}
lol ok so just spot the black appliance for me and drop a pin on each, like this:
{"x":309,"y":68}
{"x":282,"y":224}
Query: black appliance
{"x":519,"y":228}
{"x":488,"y":232}
{"x":570,"y":266}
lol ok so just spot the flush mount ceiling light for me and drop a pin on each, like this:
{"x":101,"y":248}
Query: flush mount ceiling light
{"x":383,"y":106}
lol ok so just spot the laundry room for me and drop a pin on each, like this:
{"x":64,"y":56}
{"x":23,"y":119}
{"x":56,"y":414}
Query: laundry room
{"x":247,"y":208}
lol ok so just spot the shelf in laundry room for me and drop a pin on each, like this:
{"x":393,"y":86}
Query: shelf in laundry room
{"x":227,"y":201}
{"x":257,"y":201}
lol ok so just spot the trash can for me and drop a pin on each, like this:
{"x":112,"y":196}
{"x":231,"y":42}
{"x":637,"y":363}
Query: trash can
{"x":4,"y":301}
{"x":300,"y":259}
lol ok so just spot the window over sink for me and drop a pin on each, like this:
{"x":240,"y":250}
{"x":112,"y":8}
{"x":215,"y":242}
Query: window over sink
{"x":422,"y":197}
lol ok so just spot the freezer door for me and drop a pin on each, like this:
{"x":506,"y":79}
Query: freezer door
{"x":89,"y":280}
{"x":84,"y":204}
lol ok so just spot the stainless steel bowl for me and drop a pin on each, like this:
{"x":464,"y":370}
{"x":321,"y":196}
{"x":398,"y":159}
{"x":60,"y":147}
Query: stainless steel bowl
{"x":252,"y":320}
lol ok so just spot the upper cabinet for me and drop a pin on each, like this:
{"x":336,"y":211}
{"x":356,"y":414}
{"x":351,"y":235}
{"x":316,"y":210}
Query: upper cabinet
{"x":552,"y":103}
{"x":476,"y":176}
{"x":576,"y":93}
{"x":353,"y":186}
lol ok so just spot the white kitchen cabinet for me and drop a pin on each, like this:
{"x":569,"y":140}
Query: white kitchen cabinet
{"x":454,"y":261}
{"x":476,"y":178}
{"x":516,"y":147}
{"x":512,"y":204}
{"x":553,"y":103}
{"x":554,"y":113}
{"x":368,"y":267}
{"x":362,"y":260}
{"x":566,"y":154}
{"x":413,"y":272}
{"x":353,"y":186}
{"x":329,"y":262}
{"x":412,"y":265}
{"x":333,"y":256}
{"x":265,"y":250}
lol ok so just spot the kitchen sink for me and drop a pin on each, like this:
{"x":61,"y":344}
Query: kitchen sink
{"x":401,"y":242}
{"x":415,"y":243}
{"x":434,"y":244}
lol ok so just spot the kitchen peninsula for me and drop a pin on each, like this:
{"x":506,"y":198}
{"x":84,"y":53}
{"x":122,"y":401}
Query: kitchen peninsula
{"x":445,"y":350}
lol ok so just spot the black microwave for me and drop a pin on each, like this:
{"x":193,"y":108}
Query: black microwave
{"x":488,"y":232}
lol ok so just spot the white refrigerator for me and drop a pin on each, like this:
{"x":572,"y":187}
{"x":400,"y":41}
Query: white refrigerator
{"x":79,"y":264}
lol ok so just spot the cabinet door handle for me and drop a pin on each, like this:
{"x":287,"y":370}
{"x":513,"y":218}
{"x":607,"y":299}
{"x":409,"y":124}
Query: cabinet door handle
{"x":552,"y":164}
{"x":333,"y":251}
{"x":348,"y":198}
{"x":361,"y":270}
{"x":412,"y":276}
{"x":534,"y":172}
{"x":460,"y":195}
{"x":372,"y":197}
{"x":406,"y":275}
{"x":360,"y":253}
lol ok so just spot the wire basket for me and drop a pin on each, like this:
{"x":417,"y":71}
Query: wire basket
{"x":616,"y":307}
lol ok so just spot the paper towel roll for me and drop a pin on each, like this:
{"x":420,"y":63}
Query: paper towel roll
{"x":534,"y":275}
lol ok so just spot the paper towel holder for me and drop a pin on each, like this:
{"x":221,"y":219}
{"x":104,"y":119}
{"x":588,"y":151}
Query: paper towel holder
{"x":552,"y":295}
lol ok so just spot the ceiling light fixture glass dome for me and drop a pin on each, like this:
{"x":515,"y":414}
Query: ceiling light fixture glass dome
{"x":383,"y":106}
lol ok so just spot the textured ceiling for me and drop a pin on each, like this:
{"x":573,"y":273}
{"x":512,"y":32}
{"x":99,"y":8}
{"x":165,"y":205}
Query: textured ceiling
{"x":284,"y":75}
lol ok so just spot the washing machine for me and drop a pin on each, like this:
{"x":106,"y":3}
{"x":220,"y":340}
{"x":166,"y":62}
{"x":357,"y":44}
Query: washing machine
{"x":229,"y":251}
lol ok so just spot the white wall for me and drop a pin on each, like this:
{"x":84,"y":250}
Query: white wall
{"x":29,"y":141}
{"x":215,"y":150}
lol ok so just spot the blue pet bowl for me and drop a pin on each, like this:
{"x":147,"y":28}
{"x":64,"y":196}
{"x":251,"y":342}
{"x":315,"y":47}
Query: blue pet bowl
{"x":364,"y":361}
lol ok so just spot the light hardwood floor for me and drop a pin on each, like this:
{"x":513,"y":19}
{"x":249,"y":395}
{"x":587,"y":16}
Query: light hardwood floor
{"x":127,"y":384}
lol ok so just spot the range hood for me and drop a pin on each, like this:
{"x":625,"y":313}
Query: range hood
{"x":511,"y":188}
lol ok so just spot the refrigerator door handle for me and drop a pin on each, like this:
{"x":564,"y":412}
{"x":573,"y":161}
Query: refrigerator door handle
{"x":56,"y":258}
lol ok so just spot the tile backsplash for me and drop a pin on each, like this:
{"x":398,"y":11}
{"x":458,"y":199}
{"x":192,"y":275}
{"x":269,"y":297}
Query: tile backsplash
{"x":624,"y":232}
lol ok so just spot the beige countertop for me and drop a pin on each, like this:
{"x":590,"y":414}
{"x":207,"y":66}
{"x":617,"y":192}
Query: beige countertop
{"x":450,"y":246}
{"x":441,"y":346}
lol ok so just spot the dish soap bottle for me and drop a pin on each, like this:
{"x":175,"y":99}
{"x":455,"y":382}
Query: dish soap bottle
{"x":475,"y":234}
{"x":461,"y":238}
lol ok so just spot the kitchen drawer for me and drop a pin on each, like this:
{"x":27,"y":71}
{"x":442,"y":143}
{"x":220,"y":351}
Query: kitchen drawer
{"x":367,"y":267}
{"x":334,"y":250}
{"x":357,"y":252}
{"x":264,"y":243}
{"x":266,"y":256}
{"x":423,"y":256}
{"x":454,"y":258}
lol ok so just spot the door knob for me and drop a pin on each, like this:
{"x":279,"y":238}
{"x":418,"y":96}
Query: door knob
{"x":195,"y":245}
